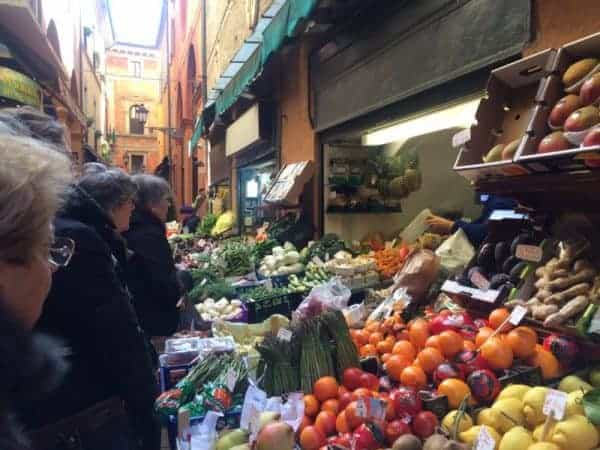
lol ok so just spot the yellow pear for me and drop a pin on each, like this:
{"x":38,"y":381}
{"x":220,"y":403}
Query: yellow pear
{"x":490,"y":417}
{"x":449,"y":422}
{"x":516,"y":439}
{"x":572,"y":383}
{"x":511,"y":413}
{"x":513,"y":391}
{"x":575,"y":433}
{"x":470,"y":436}
{"x":533,"y":402}
{"x":544,"y":446}
{"x":537,"y":433}
{"x":574,"y":404}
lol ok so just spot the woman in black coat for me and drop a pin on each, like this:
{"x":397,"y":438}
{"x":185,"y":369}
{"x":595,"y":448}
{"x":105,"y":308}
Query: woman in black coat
{"x":151,"y":274}
{"x":107,"y":399}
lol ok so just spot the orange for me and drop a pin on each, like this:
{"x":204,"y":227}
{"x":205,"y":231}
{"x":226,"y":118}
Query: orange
{"x":404,"y":348}
{"x":418,"y":332}
{"x":331,"y":405}
{"x":312,"y":438}
{"x":546,"y":361}
{"x":456,"y":390}
{"x":413,"y":376}
{"x":429,"y":359}
{"x":325,"y":388}
{"x":402,"y":335}
{"x":311,"y":405}
{"x":341,"y":424}
{"x":368,"y":350}
{"x":482,"y":335}
{"x":325,"y":422}
{"x":375,"y":338}
{"x":497,"y":354}
{"x":469,"y":345}
{"x":434,"y":342}
{"x":373,"y":326}
{"x":384,"y":347}
{"x":451,"y":343}
{"x":497,"y":317}
{"x":395,"y":365}
{"x":385,"y":357}
{"x":522,"y":341}
{"x":361,"y":393}
{"x":362,"y":337}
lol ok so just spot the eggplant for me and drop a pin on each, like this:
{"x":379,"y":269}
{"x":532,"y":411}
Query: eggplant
{"x":521,"y":239}
{"x":515,"y":272}
{"x":510,"y":262}
{"x":498,"y":280}
{"x":485,"y":257}
{"x":501,"y":252}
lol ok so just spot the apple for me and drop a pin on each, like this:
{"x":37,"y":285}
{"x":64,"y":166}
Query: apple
{"x":592,"y":138}
{"x":590,"y":90}
{"x":554,"y":142}
{"x":563,"y":109}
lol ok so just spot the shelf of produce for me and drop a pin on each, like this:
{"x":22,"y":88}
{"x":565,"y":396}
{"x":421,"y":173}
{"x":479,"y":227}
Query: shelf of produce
{"x":550,"y":191}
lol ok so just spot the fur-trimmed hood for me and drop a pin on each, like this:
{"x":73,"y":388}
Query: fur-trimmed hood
{"x":30,"y":364}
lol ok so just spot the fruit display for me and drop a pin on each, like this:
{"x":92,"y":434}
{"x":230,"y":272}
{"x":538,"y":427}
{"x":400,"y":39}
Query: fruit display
{"x":564,"y":288}
{"x":223,"y":309}
{"x":502,"y":152}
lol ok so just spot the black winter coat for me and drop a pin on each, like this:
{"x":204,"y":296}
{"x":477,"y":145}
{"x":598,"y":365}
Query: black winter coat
{"x":30,"y":365}
{"x":151,"y":275}
{"x":90,"y":309}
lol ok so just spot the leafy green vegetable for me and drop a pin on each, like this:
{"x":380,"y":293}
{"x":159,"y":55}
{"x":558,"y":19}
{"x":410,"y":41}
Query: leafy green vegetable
{"x":207,"y":224}
{"x":234,"y":258}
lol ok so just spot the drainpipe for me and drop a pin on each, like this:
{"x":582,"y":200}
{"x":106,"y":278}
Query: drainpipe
{"x":205,"y":89}
{"x":168,"y":43}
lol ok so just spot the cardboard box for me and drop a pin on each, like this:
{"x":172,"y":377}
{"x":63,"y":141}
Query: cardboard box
{"x":504,"y":115}
{"x":289,"y":184}
{"x":577,"y":158}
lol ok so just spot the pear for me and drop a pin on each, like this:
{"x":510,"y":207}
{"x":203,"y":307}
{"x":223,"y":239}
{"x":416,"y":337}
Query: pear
{"x":572,"y":383}
{"x":537,"y":433}
{"x":511,"y":413}
{"x":449,"y":422}
{"x":513,"y":391}
{"x":490,"y":417}
{"x":516,"y":439}
{"x":470,"y":436}
{"x":533,"y":402}
{"x":575,"y":433}
{"x":495,"y":154}
{"x":574,"y":404}
{"x":544,"y":446}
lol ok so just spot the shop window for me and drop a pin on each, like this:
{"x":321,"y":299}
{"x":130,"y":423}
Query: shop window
{"x":135,"y":126}
{"x":137,"y":164}
{"x":135,"y":69}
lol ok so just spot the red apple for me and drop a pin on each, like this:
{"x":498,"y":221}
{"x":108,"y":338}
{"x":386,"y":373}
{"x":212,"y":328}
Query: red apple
{"x":563,"y":109}
{"x":590,"y":90}
{"x":582,"y":119}
{"x":592,"y":138}
{"x":554,"y":142}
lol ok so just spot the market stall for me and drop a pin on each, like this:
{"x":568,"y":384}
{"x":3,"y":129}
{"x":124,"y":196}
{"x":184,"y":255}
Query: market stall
{"x":412,"y":340}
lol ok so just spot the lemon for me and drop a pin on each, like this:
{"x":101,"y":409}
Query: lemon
{"x":449,"y":422}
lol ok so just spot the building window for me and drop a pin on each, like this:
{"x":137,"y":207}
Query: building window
{"x":135,"y":68}
{"x":135,"y":126}
{"x":137,"y":164}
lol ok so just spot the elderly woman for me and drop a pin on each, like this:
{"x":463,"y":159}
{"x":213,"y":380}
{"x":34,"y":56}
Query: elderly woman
{"x":109,"y":393}
{"x":32,"y":178}
{"x":151,"y":273}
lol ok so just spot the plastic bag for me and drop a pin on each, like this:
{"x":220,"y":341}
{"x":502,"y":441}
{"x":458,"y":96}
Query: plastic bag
{"x":398,"y":299}
{"x":331,"y":295}
{"x":456,"y":252}
{"x":417,"y":274}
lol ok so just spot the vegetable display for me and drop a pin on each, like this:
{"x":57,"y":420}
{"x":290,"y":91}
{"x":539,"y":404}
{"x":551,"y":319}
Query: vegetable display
{"x":279,"y":370}
{"x":314,"y":276}
{"x":326,"y":248}
{"x":207,"y":224}
{"x":224,"y":223}
{"x":223,"y":309}
{"x":390,"y":260}
{"x":283,"y":261}
{"x":234,"y":257}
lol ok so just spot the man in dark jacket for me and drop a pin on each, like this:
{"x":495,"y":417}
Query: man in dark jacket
{"x":152,"y":277}
{"x":90,"y":309}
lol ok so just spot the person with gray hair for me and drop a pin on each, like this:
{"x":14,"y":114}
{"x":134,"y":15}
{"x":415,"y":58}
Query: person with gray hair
{"x":152,"y":276}
{"x":107,"y":399}
{"x":33,"y":176}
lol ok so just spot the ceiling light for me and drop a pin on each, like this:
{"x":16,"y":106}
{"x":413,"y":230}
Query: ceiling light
{"x":450,"y":116}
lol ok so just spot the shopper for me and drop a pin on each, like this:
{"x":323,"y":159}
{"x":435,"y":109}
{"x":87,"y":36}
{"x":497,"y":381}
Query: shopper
{"x":152,"y":275}
{"x":190,"y":224}
{"x":32,"y":178}
{"x":109,"y":393}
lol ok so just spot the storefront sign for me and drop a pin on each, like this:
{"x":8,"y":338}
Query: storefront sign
{"x":18,"y":87}
{"x":243,"y":132}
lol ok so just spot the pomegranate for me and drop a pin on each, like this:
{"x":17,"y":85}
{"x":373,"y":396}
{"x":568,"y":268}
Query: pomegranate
{"x":484,"y":385}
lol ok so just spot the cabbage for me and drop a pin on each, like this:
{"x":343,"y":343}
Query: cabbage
{"x":291,"y":258}
{"x":270,"y":262}
{"x":279,"y":260}
{"x":278,"y":251}
{"x":289,"y":246}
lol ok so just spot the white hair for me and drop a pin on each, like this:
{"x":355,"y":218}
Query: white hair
{"x":33,"y":179}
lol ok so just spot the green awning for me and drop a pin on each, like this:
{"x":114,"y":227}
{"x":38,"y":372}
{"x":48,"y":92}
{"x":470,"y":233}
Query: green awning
{"x":277,"y":29}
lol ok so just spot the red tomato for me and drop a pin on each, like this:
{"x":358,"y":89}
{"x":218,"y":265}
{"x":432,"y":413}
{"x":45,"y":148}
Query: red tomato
{"x":351,"y":378}
{"x":424,"y":424}
{"x":368,"y":437}
{"x":325,"y":422}
{"x":369,"y":381}
{"x":345,"y":399}
{"x":395,"y":429}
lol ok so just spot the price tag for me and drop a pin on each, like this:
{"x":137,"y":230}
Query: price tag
{"x":254,"y":400}
{"x":326,"y":256}
{"x":595,"y":323}
{"x":517,"y":315}
{"x":292,"y":411}
{"x":361,"y":408}
{"x":203,"y":282}
{"x":461,"y":138}
{"x":231,"y":379}
{"x":480,"y":281}
{"x":377,"y":407}
{"x":318,"y":261}
{"x":484,"y":440}
{"x":284,"y":334}
{"x":555,"y":404}
{"x":532,"y":253}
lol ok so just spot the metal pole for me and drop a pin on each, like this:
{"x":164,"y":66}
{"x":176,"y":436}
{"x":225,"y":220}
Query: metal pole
{"x":205,"y":91}
{"x":169,"y":95}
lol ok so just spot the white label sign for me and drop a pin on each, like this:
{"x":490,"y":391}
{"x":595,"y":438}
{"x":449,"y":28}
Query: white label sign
{"x":555,"y":404}
{"x":378,"y":408}
{"x":517,"y":315}
{"x":203,"y":282}
{"x":531,"y":253}
{"x":595,"y":323}
{"x":480,"y":281}
{"x":361,"y":408}
{"x":254,"y":400}
{"x":284,"y":334}
{"x":484,"y":440}
{"x":461,"y":138}
{"x":231,"y":379}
